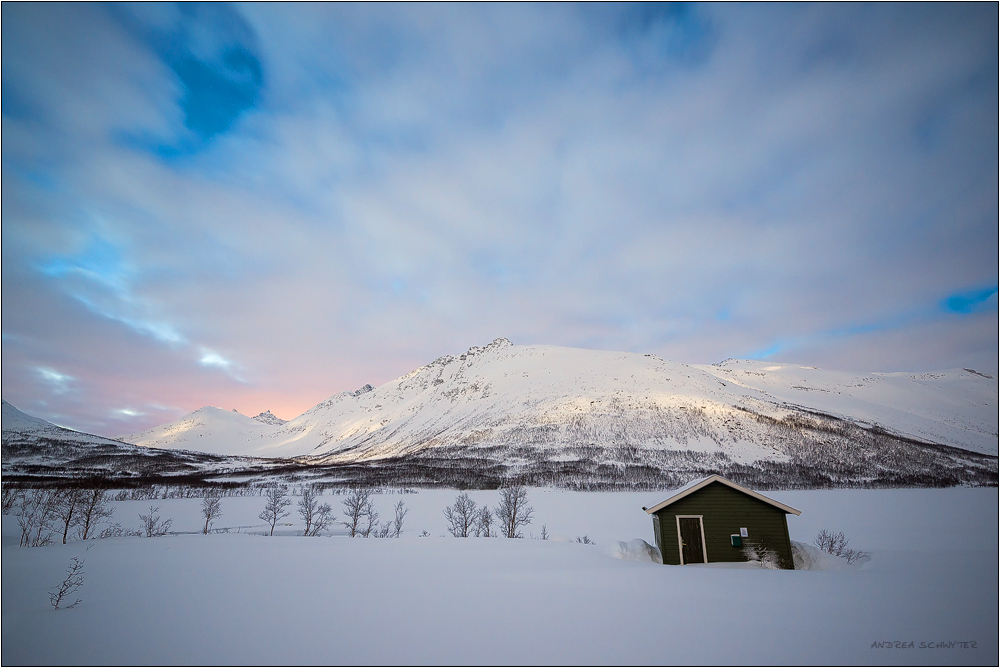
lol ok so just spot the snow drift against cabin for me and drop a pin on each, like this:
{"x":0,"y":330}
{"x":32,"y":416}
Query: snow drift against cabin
{"x":560,"y":399}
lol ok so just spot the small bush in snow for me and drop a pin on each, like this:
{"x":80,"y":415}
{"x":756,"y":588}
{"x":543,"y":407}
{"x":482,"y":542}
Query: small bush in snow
{"x":763,"y":555}
{"x":152,"y":525}
{"x":73,"y":581}
{"x":836,"y":544}
{"x":585,"y":540}
{"x":116,"y":530}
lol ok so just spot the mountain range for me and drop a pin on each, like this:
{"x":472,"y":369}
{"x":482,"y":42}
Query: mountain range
{"x":567,"y":416}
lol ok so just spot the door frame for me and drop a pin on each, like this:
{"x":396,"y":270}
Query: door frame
{"x":680,"y":540}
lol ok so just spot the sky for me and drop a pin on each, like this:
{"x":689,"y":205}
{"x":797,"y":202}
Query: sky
{"x":258,"y":206}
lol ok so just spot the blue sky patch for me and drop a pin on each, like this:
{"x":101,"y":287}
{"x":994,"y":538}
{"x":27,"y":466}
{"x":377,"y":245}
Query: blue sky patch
{"x":971,"y":301}
{"x":215,"y":95}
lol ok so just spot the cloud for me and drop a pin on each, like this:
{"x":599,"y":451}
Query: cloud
{"x":335,"y":194}
{"x":60,"y":382}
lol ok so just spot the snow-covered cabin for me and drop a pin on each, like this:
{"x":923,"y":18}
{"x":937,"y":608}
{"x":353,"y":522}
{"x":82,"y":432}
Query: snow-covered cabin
{"x":714,"y":519}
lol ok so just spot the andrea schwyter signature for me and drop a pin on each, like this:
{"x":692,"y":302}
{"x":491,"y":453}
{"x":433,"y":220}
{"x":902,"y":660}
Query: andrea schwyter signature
{"x":937,"y":644}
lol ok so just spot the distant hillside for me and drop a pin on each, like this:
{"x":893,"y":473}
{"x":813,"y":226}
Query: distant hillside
{"x":35,"y":450}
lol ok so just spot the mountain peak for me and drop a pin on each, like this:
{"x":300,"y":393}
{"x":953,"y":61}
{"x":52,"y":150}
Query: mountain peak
{"x":267,"y":417}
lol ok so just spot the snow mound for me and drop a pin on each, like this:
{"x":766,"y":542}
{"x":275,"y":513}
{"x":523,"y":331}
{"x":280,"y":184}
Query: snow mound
{"x":636,"y":550}
{"x":810,"y":558}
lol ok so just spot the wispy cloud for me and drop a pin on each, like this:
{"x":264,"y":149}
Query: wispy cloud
{"x":59,"y":382}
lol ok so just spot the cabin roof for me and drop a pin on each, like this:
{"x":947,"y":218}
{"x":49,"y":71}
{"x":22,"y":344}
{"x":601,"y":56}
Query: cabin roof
{"x":695,"y":485}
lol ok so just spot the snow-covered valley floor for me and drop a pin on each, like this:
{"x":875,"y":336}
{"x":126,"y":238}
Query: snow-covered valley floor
{"x":249,"y":599}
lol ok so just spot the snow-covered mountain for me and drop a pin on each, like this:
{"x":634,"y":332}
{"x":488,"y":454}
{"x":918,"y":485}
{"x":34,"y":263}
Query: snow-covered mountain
{"x":525,"y":404}
{"x":209,"y":429}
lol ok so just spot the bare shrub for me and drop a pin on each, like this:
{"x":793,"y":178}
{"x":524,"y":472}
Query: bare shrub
{"x":397,"y":524}
{"x":484,"y":523}
{"x":317,"y":517}
{"x":371,"y":515}
{"x":211,"y":509}
{"x":545,"y":533}
{"x":94,"y":509}
{"x":152,"y":525}
{"x":513,"y":511}
{"x":763,"y":555}
{"x":116,"y":530}
{"x":358,"y":505}
{"x":35,"y":516}
{"x":73,"y":581}
{"x":461,"y":516}
{"x":836,"y":544}
{"x":585,"y":540}
{"x":274,"y":509}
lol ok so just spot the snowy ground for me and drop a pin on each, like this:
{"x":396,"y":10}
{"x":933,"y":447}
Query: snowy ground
{"x":239,"y":598}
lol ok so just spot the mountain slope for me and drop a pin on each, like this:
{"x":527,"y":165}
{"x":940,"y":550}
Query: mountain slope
{"x":526,"y":405}
{"x":957,"y":407}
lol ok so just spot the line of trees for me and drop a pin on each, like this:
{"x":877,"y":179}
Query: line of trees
{"x":511,"y":515}
{"x":45,"y":515}
{"x":360,"y":516}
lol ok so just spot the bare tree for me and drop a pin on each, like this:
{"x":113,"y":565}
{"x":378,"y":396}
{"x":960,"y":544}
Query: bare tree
{"x":66,"y":510}
{"x":73,"y":581}
{"x":35,"y":516}
{"x":211,"y":508}
{"x":484,"y":522}
{"x":461,"y":516}
{"x":317,"y":517}
{"x":545,"y":533}
{"x":371,"y":515}
{"x":152,"y":525}
{"x":93,"y":510}
{"x":274,"y":510}
{"x":513,"y":511}
{"x":356,"y":506}
{"x":397,"y":524}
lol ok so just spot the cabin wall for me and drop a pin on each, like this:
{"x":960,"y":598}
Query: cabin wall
{"x":724,"y":511}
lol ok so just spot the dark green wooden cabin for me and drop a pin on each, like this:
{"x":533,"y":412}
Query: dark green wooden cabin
{"x":711,"y":520}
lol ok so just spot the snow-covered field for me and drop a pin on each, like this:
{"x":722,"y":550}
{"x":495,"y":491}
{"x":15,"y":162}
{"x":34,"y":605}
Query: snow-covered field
{"x":240,"y":598}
